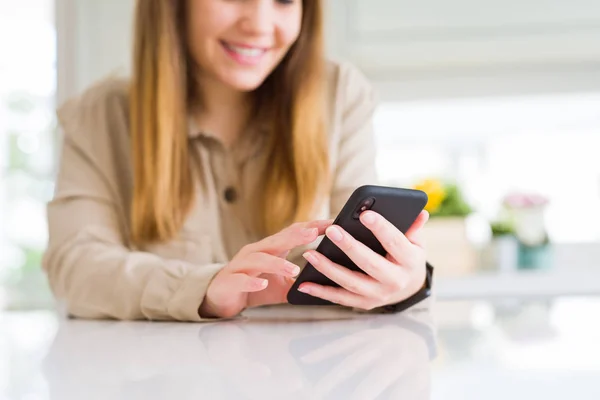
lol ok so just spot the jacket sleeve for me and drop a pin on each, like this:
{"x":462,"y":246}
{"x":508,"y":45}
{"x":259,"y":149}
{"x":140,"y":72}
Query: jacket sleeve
{"x":90,"y":266}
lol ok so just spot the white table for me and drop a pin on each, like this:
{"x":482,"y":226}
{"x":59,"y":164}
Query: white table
{"x":521,"y":284}
{"x":286,"y":353}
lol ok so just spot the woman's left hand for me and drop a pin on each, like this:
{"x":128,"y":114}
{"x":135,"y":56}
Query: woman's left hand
{"x":388,"y":280}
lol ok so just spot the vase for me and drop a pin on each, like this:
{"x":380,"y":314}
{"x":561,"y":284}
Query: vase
{"x":448,"y":247}
{"x":535,"y":257}
{"x":504,"y":253}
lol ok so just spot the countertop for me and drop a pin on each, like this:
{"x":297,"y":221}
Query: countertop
{"x":476,"y":350}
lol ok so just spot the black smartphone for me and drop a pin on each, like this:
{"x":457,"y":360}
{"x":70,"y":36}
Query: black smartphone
{"x":399,"y":206}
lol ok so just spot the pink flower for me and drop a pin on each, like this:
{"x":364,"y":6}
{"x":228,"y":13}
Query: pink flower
{"x":524,"y":200}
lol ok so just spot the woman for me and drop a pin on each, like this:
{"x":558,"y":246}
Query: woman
{"x":180,"y":192}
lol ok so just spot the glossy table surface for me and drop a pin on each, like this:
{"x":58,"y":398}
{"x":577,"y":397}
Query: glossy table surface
{"x":544,"y":350}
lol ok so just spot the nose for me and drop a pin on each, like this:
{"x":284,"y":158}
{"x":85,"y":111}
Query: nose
{"x":259,"y":16}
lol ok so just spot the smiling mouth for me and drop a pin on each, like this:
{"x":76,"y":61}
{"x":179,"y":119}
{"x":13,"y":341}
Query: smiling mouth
{"x":244,"y":54}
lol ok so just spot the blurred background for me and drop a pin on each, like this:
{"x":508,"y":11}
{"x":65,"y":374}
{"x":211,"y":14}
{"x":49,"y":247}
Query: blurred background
{"x":492,"y":107}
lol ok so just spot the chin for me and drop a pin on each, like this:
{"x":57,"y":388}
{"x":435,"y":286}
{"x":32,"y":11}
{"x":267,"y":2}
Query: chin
{"x":245,"y":82}
{"x":245,"y":85}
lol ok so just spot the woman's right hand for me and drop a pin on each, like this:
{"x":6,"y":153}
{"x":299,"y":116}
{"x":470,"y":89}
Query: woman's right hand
{"x":259,"y":274}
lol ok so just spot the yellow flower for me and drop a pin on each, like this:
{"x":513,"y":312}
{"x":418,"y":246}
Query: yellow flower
{"x":435,"y":192}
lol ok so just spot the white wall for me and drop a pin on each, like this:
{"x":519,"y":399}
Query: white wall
{"x":409,"y":49}
{"x":94,"y":40}
{"x":441,"y":48}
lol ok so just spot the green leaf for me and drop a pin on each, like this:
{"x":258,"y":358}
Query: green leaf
{"x":454,"y":205}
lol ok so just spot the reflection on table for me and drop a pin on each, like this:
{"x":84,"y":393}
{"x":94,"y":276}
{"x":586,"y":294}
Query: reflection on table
{"x":267,"y":355}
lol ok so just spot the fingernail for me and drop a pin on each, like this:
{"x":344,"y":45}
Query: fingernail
{"x":368,"y":218}
{"x":292,"y":269}
{"x":310,"y":258}
{"x":264,"y":283}
{"x":304,"y":289}
{"x":334,"y":234}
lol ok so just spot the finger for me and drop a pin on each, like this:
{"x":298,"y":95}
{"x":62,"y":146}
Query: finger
{"x":418,"y":238}
{"x":414,"y":232}
{"x":279,"y":288}
{"x":285,"y":240}
{"x":366,"y":259}
{"x":321,"y":225}
{"x":284,"y":254}
{"x":336,"y":295}
{"x":353,"y":281}
{"x":276,"y":293}
{"x":263,"y":263}
{"x":295,"y":235}
{"x":390,"y":237}
{"x":243,"y":283}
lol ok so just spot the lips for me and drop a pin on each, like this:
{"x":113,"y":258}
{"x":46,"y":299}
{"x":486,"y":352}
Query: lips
{"x":247,"y":51}
{"x":244,"y":54}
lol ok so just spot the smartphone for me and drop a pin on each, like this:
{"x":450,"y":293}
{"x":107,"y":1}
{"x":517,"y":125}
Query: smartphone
{"x":399,"y":206}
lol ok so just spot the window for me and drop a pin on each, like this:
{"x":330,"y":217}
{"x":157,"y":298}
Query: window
{"x":547,"y":144}
{"x":27,"y":90}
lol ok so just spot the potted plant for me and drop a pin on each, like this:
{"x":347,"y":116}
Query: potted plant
{"x":448,"y":245}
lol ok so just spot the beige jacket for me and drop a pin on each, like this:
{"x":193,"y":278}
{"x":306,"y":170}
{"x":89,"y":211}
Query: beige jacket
{"x":90,"y":263}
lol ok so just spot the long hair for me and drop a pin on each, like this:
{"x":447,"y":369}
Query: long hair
{"x":291,"y":102}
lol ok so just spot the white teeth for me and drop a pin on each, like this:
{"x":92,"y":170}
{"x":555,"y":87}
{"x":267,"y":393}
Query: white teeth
{"x":247,"y":52}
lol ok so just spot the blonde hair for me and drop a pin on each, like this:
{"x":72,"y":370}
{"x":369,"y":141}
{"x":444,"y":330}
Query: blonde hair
{"x":291,"y":101}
